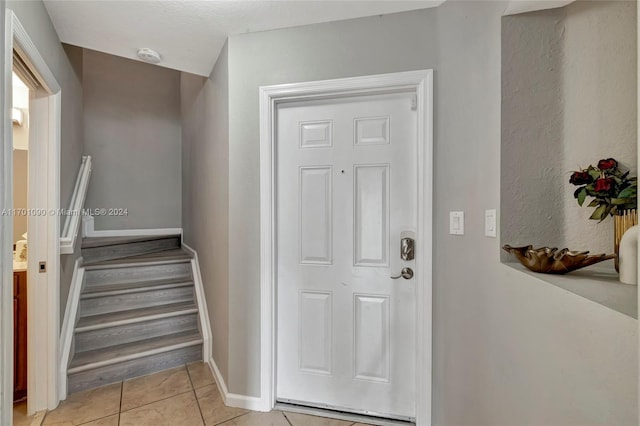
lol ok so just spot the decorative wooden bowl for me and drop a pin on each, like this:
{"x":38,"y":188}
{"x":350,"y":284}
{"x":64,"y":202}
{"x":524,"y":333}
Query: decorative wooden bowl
{"x":553,"y":261}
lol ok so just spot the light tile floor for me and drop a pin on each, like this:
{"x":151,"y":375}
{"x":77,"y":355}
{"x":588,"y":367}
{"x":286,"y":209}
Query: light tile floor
{"x":184,"y":396}
{"x":20,"y":417}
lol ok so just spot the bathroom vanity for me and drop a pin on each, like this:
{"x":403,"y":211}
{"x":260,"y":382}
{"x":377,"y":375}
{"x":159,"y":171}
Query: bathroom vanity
{"x":19,"y":330}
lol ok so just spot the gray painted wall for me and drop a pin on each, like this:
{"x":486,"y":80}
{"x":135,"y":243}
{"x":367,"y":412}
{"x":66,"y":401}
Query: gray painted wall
{"x":565,"y":107}
{"x":132,"y":131}
{"x":35,"y":19}
{"x":376,"y":45}
{"x":205,"y":192}
{"x":508,"y":348}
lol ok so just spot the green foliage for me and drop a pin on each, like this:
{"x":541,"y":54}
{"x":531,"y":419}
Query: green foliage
{"x":612,"y":190}
{"x":582,"y":195}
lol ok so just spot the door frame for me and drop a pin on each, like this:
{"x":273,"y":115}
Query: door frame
{"x":421,"y":83}
{"x":43,"y":293}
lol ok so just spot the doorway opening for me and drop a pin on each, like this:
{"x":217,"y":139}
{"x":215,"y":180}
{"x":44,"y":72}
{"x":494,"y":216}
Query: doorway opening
{"x":20,"y":122}
{"x":368,"y":200}
{"x":40,"y":257}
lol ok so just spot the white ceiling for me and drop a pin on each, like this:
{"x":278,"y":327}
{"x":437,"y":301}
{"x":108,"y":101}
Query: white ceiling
{"x":190,"y":34}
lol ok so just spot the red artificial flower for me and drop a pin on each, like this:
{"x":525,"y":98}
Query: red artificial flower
{"x":580,"y":178}
{"x":607,"y":164}
{"x":604,"y":184}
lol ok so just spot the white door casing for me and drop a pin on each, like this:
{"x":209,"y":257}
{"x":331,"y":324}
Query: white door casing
{"x":346,"y":189}
{"x":44,"y":172}
{"x":417,"y":82}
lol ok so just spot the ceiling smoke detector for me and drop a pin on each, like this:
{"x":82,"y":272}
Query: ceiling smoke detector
{"x":149,"y":55}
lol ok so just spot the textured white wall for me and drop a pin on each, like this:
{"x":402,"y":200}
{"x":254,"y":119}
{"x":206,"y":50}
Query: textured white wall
{"x":532,"y":165}
{"x":600,"y":105}
{"x":569,"y":99}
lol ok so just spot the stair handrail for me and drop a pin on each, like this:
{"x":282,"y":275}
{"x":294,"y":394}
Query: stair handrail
{"x":74,"y":212}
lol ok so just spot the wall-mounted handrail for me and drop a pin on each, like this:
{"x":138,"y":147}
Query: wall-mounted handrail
{"x":74,"y":212}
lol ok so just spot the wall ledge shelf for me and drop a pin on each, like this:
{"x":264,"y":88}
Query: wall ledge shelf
{"x":598,"y":283}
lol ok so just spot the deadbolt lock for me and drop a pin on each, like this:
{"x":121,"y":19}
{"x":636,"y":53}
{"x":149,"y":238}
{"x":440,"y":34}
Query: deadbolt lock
{"x":407,"y":248}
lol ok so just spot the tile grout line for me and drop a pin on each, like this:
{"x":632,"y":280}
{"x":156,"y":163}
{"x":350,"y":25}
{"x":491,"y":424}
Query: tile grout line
{"x":161,"y":399}
{"x":213,"y":380}
{"x":214,"y":383}
{"x":153,"y":402}
{"x":88,"y":421}
{"x":286,"y":418}
{"x":46,"y":414}
{"x":193,"y":389}
{"x":42,"y":419}
{"x":94,"y":420}
{"x":121,"y":396}
{"x":232,"y":419}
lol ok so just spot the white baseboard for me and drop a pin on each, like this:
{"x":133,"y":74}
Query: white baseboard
{"x":89,"y":231}
{"x":229,"y":399}
{"x":252,"y":403}
{"x":68,"y":325}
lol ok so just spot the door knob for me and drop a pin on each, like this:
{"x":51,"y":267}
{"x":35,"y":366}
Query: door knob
{"x":406,"y":273}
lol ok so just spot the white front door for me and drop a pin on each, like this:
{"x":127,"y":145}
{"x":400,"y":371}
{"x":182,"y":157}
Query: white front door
{"x":346,"y":192}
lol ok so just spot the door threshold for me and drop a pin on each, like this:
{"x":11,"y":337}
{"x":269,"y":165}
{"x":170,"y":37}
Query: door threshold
{"x":340,"y":415}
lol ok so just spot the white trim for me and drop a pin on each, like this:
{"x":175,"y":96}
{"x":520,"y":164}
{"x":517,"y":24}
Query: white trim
{"x":6,"y":239}
{"x":638,"y":162}
{"x":23,"y":44}
{"x":50,"y":318}
{"x":205,"y":325}
{"x":89,"y":231}
{"x":68,"y":325}
{"x":422,"y":83}
{"x":233,"y":399}
{"x":72,"y":218}
{"x":424,"y":262}
{"x":43,"y":290}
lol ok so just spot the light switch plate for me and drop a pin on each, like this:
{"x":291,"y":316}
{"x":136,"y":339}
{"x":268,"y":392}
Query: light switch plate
{"x":456,"y":223}
{"x":490,"y":223}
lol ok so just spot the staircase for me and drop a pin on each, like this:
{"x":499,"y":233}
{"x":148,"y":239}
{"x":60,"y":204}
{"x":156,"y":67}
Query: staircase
{"x":137,"y":312}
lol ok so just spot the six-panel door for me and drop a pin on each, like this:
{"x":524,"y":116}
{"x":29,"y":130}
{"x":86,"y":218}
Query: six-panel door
{"x":346,"y":189}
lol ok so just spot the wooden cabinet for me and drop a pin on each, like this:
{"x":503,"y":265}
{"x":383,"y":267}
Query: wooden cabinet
{"x":19,"y":335}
